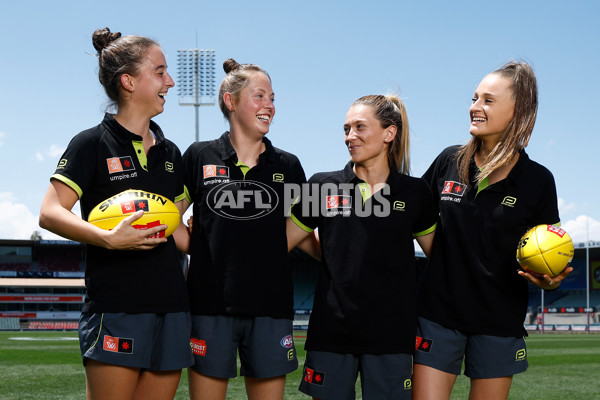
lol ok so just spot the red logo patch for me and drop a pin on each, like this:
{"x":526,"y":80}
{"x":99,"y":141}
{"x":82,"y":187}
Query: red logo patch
{"x":338,"y":202}
{"x":152,"y":224}
{"x":131,"y":206}
{"x":215,"y":171}
{"x":127,"y":207}
{"x":314,"y":377}
{"x":198,"y":347}
{"x":423,"y":344}
{"x":555,"y":229}
{"x":119,"y":164}
{"x":117,"y":345}
{"x":453,"y":187}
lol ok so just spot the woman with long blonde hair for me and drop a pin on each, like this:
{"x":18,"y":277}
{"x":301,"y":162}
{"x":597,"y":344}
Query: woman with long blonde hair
{"x":473,"y":298}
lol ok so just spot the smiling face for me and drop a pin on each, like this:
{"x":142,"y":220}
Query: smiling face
{"x":252,"y":111}
{"x":151,"y":83}
{"x":492,"y":109}
{"x":366,"y":140}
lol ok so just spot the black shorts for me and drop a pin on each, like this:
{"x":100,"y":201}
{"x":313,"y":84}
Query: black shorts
{"x":266,"y":346}
{"x":484,"y":356}
{"x":157,"y":342}
{"x":333,"y":375}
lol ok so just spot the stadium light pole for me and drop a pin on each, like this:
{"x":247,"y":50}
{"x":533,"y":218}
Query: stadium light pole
{"x":196,"y":85}
{"x":587,"y":275}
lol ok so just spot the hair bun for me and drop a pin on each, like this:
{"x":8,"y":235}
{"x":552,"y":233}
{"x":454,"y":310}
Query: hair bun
{"x":230,"y":65}
{"x":103,"y":37}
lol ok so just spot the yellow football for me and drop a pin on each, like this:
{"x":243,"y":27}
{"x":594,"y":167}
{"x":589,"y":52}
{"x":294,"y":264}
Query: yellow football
{"x":545,"y":249}
{"x":157,"y":209}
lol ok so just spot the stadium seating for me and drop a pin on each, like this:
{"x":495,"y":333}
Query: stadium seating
{"x":9,"y":324}
{"x":53,"y":325}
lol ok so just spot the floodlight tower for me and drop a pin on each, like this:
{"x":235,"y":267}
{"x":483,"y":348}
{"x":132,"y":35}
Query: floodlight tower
{"x":196,"y":80}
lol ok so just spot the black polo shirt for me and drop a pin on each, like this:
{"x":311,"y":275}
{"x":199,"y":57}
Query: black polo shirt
{"x":239,"y":260}
{"x":471,"y":282}
{"x":365,"y":299}
{"x":99,"y":163}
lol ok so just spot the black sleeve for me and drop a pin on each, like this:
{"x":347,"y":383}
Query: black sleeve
{"x":77,"y":166}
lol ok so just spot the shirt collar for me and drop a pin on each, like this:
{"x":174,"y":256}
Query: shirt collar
{"x":350,"y":177}
{"x":124,"y":136}
{"x":227,"y":150}
{"x":518,"y":172}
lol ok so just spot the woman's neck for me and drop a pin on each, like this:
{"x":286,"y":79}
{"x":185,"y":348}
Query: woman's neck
{"x":247,"y":148}
{"x":375,"y":175}
{"x":138,"y":125}
{"x":133,"y":122}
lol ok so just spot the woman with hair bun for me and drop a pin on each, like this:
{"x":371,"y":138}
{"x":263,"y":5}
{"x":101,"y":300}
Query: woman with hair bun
{"x":368,"y":215}
{"x":134,"y":328}
{"x":239,"y":281}
{"x":472,"y":299}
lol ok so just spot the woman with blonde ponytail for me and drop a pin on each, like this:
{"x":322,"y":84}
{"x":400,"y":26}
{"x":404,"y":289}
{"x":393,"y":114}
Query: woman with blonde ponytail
{"x":473,"y":298}
{"x":367,"y":215}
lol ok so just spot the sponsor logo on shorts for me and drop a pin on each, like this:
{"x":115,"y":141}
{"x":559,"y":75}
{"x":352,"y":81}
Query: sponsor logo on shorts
{"x":423,"y":344}
{"x":198,"y":347}
{"x":453,"y":187}
{"x":120,"y":164}
{"x":118,"y":345}
{"x":509,"y":201}
{"x":215,"y":171}
{"x":291,"y":354}
{"x":521,"y":355}
{"x":314,"y":377}
{"x":408,"y":384}
{"x":287,"y":342}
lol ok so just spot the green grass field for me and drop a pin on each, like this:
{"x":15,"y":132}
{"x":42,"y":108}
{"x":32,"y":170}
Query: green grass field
{"x":561,"y":367}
